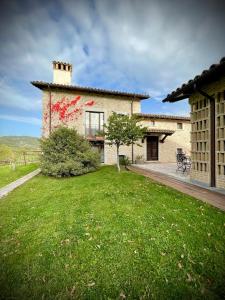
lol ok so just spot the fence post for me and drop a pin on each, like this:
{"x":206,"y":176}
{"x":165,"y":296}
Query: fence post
{"x":24,"y":158}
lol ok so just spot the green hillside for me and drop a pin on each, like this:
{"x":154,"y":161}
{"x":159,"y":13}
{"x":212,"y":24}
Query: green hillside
{"x":20,"y":141}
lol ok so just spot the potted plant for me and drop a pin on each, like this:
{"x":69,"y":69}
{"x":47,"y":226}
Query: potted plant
{"x":139,"y":159}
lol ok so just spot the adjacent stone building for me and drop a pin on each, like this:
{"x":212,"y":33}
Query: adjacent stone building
{"x":206,"y":94}
{"x":87,"y":109}
{"x":166,"y":135}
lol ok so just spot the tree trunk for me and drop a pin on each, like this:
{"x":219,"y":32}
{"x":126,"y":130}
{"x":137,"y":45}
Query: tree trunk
{"x":132,"y":152}
{"x":24,"y":158}
{"x":118,"y":159}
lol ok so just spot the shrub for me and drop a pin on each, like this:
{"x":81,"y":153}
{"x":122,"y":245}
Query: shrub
{"x":66,"y":153}
{"x":124,"y":161}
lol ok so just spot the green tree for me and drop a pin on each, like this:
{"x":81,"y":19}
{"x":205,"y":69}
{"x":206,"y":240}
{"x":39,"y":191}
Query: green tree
{"x":123,"y":130}
{"x":66,"y":153}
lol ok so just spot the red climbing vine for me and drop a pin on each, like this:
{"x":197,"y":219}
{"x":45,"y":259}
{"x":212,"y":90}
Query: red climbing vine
{"x":67,"y":110}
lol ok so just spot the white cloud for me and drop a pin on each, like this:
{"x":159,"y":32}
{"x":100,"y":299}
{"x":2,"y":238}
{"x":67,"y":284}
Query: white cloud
{"x":23,"y":119}
{"x":150,"y":46}
{"x":13,"y":98}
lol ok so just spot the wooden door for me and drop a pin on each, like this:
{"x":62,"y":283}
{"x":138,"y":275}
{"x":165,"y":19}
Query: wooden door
{"x":152,"y":147}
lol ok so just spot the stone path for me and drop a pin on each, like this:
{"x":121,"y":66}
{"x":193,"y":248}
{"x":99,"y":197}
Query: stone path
{"x":165,"y":168}
{"x":10,"y":187}
{"x":211,"y":197}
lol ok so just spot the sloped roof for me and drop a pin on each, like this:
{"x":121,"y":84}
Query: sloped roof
{"x":158,"y":116}
{"x":161,"y":131}
{"x":45,"y":86}
{"x":214,"y":72}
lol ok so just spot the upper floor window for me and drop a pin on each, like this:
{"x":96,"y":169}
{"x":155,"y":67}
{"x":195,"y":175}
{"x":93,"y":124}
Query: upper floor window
{"x":94,"y":122}
{"x":179,"y":125}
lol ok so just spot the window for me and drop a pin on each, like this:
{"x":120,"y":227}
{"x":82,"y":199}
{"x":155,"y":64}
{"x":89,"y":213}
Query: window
{"x":179,"y":125}
{"x":93,"y":122}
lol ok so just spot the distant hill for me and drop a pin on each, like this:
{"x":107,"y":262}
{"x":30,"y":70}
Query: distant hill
{"x":20,"y":141}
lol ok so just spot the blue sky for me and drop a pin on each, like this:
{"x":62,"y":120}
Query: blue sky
{"x":138,"y":46}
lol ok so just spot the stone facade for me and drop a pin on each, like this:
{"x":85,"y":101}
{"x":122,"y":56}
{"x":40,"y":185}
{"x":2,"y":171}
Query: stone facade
{"x":107,"y":105}
{"x":201,"y":147}
{"x":86,"y":103}
{"x":179,"y":139}
{"x":78,"y":107}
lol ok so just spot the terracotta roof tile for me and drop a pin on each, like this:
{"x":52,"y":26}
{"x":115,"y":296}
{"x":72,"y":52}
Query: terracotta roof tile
{"x":162,"y":131}
{"x":158,"y":116}
{"x":45,"y":85}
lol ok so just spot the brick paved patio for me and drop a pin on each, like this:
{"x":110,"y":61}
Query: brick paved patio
{"x":165,"y":174}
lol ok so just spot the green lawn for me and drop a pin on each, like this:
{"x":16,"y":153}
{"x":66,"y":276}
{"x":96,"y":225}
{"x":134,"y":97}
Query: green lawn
{"x":7,"y":175}
{"x":109,"y":236}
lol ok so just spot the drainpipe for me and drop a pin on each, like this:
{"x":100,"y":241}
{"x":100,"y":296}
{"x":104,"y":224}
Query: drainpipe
{"x":132,"y":145}
{"x":50,"y":110}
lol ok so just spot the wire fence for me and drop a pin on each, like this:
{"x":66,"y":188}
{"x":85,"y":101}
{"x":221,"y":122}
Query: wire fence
{"x":23,"y":157}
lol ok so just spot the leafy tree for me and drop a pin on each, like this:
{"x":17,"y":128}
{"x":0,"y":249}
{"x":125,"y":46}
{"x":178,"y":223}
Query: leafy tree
{"x":123,"y":130}
{"x":66,"y":153}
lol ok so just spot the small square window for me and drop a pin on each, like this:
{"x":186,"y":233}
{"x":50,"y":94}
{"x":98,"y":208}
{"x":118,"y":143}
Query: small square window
{"x":179,"y":125}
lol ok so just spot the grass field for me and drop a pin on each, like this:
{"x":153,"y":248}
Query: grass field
{"x":106,"y":235}
{"x":8,"y":175}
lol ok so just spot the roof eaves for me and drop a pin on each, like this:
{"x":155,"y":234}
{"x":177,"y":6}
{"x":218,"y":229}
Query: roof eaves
{"x":188,"y":88}
{"x":158,"y":116}
{"x":43,"y":85}
{"x":162,"y":131}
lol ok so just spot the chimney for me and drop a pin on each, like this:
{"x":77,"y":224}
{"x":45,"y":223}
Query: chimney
{"x":62,"y":73}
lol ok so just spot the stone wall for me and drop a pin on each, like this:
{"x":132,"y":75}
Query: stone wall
{"x":180,"y":138}
{"x":86,"y":102}
{"x":69,"y":108}
{"x":72,"y":113}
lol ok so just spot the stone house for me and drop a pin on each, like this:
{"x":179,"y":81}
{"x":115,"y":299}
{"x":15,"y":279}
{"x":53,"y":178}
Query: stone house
{"x":86,"y":109}
{"x":166,"y":135}
{"x":206,"y":93}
